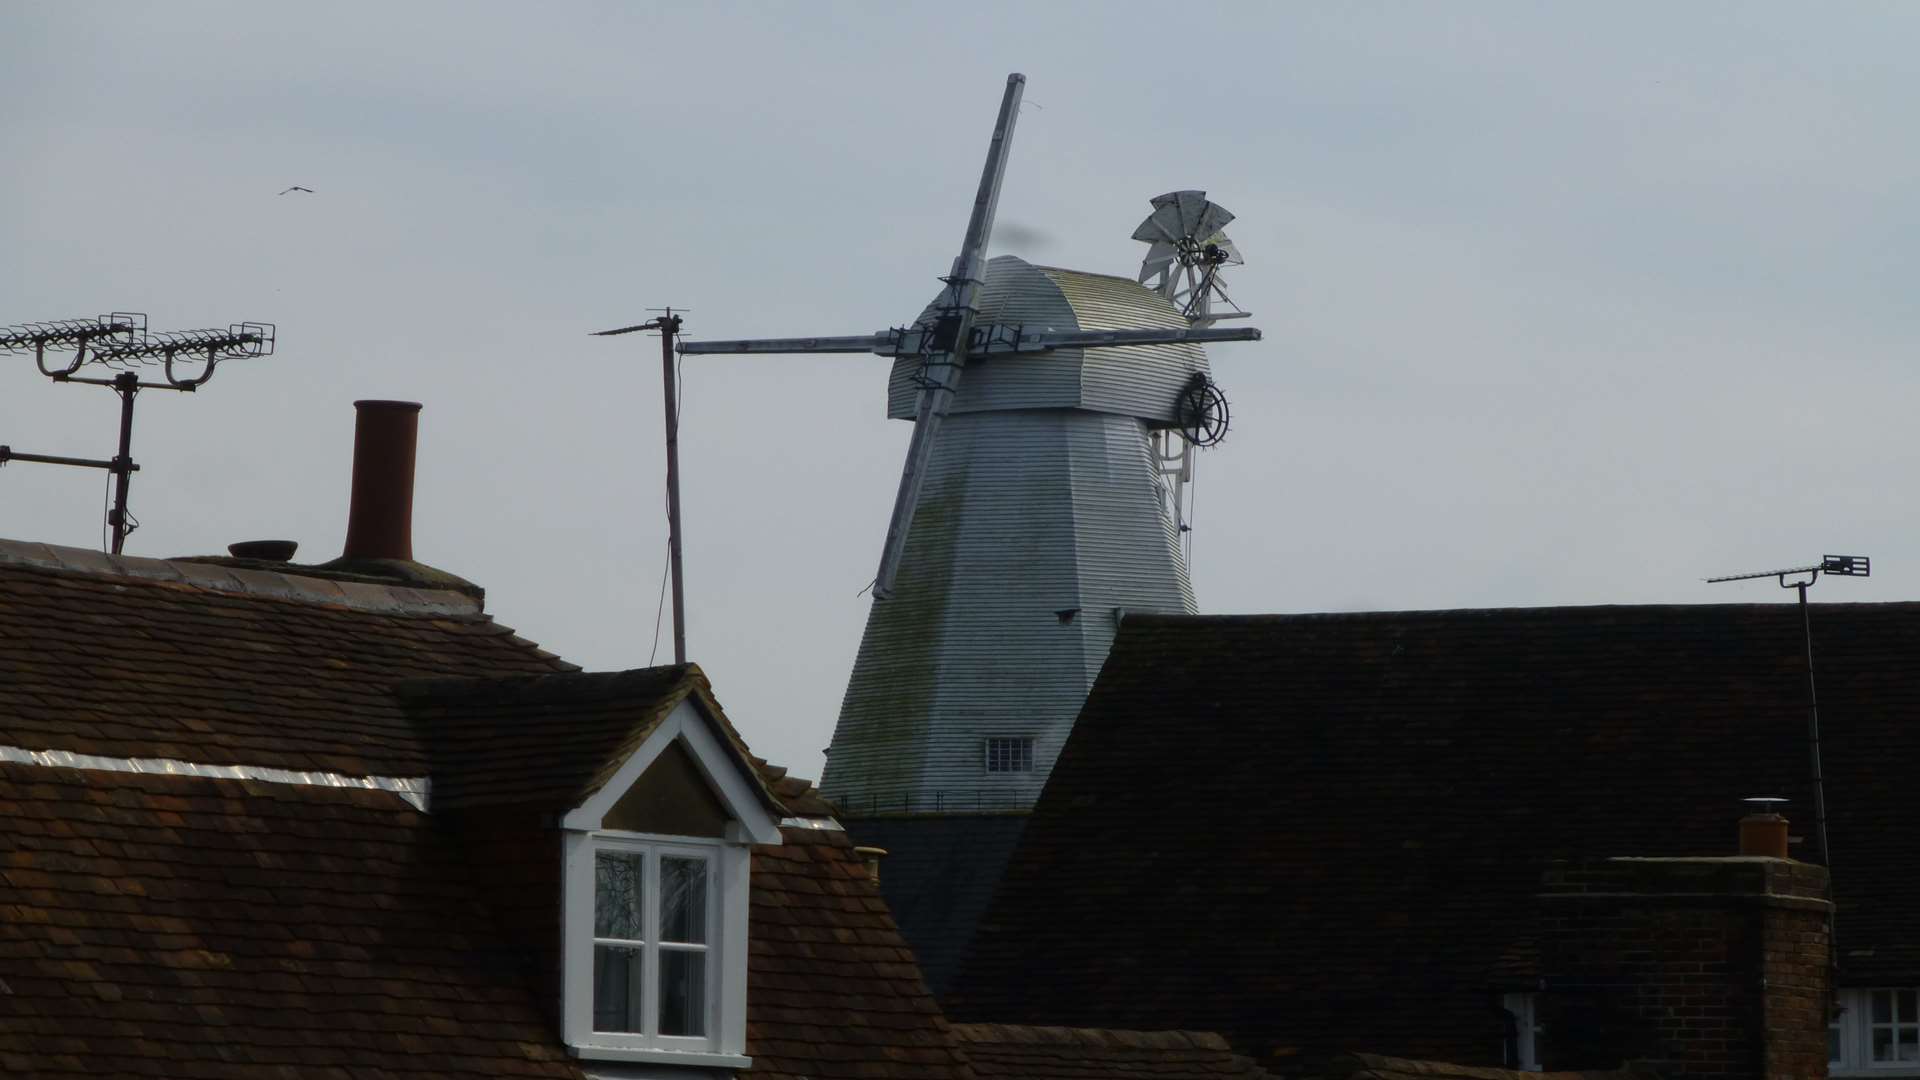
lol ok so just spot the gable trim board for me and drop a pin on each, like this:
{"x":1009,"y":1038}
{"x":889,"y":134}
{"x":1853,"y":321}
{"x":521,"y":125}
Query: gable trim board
{"x":716,"y":761}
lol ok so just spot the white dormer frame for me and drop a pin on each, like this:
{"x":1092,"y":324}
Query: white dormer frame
{"x":750,"y":822}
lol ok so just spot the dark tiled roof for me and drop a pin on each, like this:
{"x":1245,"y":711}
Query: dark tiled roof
{"x":938,"y":876}
{"x":127,"y":665}
{"x":551,"y":740}
{"x":1377,"y":1067}
{"x":833,"y":991}
{"x":1015,"y":1052}
{"x":1326,"y":831}
{"x":194,"y":928}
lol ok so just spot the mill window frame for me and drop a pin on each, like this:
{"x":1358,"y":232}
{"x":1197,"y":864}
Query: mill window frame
{"x":1007,"y":754}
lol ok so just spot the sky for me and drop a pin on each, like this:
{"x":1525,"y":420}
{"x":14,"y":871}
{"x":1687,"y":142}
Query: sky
{"x":1562,"y":304}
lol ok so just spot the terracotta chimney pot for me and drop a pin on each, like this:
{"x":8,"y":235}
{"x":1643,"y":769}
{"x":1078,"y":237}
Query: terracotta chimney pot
{"x":380,"y":516}
{"x":1764,"y":834}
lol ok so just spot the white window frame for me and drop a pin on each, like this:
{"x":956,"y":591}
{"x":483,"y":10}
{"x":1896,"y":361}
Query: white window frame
{"x":729,"y":859}
{"x":1021,"y":749}
{"x":1854,"y":1021}
{"x":725,"y":1009}
{"x":1525,"y":1009}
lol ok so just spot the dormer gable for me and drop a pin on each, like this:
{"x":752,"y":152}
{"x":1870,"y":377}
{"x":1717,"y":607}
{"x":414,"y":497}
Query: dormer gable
{"x":657,"y":863}
{"x":683,"y":771}
{"x":653,"y":805}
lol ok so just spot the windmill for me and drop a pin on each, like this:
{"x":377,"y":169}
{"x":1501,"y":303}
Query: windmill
{"x":1035,"y":504}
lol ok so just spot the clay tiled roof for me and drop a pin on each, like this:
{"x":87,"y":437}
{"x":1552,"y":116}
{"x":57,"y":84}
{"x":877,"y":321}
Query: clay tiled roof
{"x":1015,"y":1052}
{"x":832,"y":988}
{"x":799,"y":796}
{"x":292,"y":673}
{"x":1326,"y":832}
{"x":194,"y":928}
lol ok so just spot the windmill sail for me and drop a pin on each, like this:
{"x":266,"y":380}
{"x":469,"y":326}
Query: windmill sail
{"x":951,"y":322}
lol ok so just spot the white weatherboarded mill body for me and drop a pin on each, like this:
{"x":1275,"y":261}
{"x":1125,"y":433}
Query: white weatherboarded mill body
{"x":1036,"y":503}
{"x":1044,"y":514}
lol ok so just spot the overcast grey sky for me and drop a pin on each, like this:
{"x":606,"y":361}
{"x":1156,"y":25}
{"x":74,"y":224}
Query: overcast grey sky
{"x":1562,"y":305}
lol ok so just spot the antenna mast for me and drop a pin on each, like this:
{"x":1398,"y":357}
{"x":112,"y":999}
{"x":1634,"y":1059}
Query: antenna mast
{"x":668,"y":324}
{"x":117,"y":341}
{"x":1836,"y":566}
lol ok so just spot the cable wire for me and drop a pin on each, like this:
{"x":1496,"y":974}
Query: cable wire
{"x":1193,"y":500}
{"x":661,"y":607}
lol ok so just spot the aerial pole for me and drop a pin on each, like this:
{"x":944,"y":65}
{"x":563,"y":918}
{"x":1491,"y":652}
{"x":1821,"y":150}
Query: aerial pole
{"x":668,"y":324}
{"x":126,"y":384}
{"x":1799,"y":578}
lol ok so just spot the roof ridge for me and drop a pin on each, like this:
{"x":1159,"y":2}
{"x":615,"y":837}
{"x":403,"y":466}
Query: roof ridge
{"x":246,"y":581}
{"x":1178,"y":617}
{"x":1165,"y":1039}
{"x":543,"y":686}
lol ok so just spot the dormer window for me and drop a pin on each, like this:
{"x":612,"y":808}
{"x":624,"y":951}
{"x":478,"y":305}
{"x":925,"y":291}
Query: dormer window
{"x":651,"y":910}
{"x":655,"y":918}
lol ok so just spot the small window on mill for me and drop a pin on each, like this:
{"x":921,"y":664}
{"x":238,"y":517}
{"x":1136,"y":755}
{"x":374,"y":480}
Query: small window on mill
{"x":1010,"y":754}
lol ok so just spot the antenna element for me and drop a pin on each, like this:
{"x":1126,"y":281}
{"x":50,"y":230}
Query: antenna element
{"x":119,"y":341}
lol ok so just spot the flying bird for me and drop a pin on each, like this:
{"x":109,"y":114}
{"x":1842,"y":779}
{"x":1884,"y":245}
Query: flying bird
{"x":297,"y":187}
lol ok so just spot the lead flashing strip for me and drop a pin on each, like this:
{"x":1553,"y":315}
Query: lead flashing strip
{"x":363,"y":596}
{"x":416,"y":790}
{"x":823,"y":824}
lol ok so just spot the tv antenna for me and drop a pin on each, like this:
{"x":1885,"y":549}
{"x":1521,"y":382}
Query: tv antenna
{"x":667,"y":325}
{"x":117,"y":342}
{"x":946,"y":336}
{"x":1800,"y":578}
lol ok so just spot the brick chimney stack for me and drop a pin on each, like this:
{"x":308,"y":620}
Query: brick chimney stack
{"x":1703,"y":968}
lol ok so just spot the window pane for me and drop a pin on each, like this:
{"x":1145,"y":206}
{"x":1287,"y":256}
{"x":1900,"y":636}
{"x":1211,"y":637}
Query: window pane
{"x":1909,"y":1043}
{"x":1833,"y":1045}
{"x":617,"y":882}
{"x":1903,"y":1006}
{"x":1882,"y":1006}
{"x":617,"y":988}
{"x":1010,"y":754}
{"x":1882,"y":1044}
{"x":683,"y":992}
{"x":683,"y":900}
